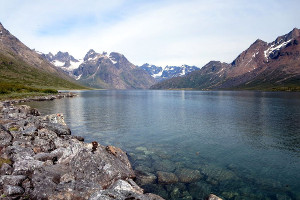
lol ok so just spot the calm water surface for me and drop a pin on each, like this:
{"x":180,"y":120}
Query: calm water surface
{"x":246,"y":145}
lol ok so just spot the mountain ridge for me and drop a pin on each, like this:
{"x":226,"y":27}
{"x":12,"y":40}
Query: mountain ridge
{"x":112,"y":71}
{"x":22,"y":66}
{"x":270,"y":66}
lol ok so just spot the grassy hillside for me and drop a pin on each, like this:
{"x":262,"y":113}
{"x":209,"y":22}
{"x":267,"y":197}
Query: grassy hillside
{"x":16,"y":76}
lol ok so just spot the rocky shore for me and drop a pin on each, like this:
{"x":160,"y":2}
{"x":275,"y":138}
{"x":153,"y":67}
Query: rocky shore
{"x":40,"y":159}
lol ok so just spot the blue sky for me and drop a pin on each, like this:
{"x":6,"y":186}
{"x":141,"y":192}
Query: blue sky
{"x":159,"y":32}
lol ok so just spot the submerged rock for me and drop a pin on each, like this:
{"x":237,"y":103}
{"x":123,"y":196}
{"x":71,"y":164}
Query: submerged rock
{"x":199,"y":190}
{"x":164,"y":165}
{"x":188,"y":175}
{"x":145,"y":178}
{"x":218,"y":174}
{"x":166,"y":177}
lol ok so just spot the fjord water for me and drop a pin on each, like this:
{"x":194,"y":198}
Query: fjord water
{"x":245,"y":144}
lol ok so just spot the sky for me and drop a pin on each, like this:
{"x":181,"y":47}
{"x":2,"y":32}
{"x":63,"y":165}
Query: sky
{"x":160,"y":32}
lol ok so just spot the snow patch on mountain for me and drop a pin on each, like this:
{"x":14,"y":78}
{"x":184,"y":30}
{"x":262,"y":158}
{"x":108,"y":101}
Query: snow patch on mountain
{"x":275,"y":47}
{"x":112,"y":59}
{"x":58,"y":63}
{"x":166,"y":72}
{"x":157,"y":75}
{"x":78,"y":77}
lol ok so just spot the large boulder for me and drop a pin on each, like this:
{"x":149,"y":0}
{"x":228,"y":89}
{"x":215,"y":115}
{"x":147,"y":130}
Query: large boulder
{"x":123,"y":190}
{"x":101,"y":166}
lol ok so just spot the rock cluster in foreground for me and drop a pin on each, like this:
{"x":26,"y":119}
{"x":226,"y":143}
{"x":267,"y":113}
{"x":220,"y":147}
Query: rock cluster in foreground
{"x":40,"y":159}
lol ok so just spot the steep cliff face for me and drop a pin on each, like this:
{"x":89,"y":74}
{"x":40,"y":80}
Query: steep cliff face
{"x":263,"y":65}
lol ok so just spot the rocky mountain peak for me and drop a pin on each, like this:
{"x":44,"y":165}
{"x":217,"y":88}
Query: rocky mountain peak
{"x":116,"y":56}
{"x":287,"y":37}
{"x":65,"y":57}
{"x":91,"y":54}
{"x":259,"y":42}
{"x":294,"y":33}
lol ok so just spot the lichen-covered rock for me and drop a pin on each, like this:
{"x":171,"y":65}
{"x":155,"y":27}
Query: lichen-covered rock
{"x":101,"y":166}
{"x":11,"y":180}
{"x":12,"y":190}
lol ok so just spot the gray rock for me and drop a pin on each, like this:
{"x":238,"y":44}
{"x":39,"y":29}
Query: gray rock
{"x":44,"y":156}
{"x":26,"y":166}
{"x":121,"y":185}
{"x":5,"y":137}
{"x":122,"y":190}
{"x":101,"y":167}
{"x":11,"y":180}
{"x":59,"y":129}
{"x":12,"y":190}
{"x":43,"y":144}
{"x":166,"y":177}
{"x":6,"y":169}
{"x":29,"y":130}
{"x":66,"y":178}
{"x":46,"y":179}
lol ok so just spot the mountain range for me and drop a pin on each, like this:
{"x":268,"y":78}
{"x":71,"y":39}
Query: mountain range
{"x":84,"y":70}
{"x":160,"y":73}
{"x":22,"y":66}
{"x":266,"y":66}
{"x":102,"y":70}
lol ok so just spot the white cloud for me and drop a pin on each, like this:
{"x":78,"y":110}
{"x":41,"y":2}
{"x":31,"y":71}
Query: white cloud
{"x":158,"y":32}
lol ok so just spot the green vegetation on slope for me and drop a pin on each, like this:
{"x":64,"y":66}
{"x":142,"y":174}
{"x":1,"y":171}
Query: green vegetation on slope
{"x":16,"y":76}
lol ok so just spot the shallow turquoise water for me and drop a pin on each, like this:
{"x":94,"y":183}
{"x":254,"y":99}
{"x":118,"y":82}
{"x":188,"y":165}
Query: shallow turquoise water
{"x":245,"y":144}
